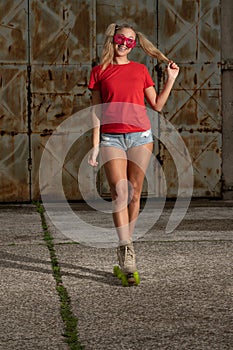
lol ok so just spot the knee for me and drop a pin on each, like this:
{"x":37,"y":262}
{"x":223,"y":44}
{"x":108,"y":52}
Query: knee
{"x":134,"y":193}
{"x":120,"y":191}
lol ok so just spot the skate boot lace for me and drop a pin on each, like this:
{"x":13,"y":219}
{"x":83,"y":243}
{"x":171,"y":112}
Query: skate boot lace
{"x":129,"y":258}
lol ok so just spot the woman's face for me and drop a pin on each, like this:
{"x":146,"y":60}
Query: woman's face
{"x":124,"y":41}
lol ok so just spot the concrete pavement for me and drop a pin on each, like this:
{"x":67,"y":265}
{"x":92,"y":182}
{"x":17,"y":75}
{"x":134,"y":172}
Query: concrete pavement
{"x":184,"y":301}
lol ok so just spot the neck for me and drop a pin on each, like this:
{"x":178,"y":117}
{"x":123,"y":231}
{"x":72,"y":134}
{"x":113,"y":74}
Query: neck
{"x":120,"y":60}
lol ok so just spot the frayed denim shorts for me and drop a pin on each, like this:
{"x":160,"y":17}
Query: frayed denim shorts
{"x":126,"y":141}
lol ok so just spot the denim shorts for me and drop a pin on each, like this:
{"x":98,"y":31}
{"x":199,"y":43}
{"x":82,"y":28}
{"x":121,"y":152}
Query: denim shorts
{"x":126,"y":141}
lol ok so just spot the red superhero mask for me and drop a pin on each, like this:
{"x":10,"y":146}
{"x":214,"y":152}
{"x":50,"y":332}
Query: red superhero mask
{"x":120,"y":39}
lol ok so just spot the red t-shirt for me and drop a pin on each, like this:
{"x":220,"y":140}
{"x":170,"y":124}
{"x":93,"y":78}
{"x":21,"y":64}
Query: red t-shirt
{"x":124,"y":85}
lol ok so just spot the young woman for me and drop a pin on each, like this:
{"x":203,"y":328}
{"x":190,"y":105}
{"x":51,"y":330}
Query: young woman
{"x":123,"y":131}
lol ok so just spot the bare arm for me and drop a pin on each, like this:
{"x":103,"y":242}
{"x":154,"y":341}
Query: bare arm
{"x":96,"y":100}
{"x":157,"y":102}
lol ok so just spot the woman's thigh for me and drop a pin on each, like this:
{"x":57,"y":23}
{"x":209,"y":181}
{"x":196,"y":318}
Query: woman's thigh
{"x":115,"y":164}
{"x":138,"y":161}
{"x":130,"y":166}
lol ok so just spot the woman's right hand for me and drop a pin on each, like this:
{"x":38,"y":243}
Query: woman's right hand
{"x":172,"y":70}
{"x":93,"y":156}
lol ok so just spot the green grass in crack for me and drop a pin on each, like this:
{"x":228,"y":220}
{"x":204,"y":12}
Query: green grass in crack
{"x":69,"y":320}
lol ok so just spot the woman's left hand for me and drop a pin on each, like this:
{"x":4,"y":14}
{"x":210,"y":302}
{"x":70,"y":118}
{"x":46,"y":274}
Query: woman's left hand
{"x":172,"y":70}
{"x":92,"y":160}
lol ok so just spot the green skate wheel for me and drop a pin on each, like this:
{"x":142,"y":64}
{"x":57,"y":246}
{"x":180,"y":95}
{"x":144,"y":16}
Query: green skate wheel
{"x":115,"y":270}
{"x":133,"y":279}
{"x":136,"y":278}
{"x":120,"y":275}
{"x":124,"y":280}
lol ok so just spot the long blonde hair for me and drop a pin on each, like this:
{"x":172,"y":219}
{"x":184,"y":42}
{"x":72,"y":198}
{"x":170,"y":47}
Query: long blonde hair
{"x":108,"y":50}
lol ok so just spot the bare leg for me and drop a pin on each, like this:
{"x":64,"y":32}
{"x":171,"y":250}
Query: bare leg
{"x":121,"y":172}
{"x":138,"y":160}
{"x":115,"y":166}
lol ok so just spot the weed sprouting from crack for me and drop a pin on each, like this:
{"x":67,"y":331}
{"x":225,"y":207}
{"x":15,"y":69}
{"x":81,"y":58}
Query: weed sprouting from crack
{"x":69,"y":320}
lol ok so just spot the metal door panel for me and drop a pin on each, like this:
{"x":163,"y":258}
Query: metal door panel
{"x":13,"y":34}
{"x":199,"y":76}
{"x":194,"y":110}
{"x":190,"y":35}
{"x":189,"y":31}
{"x":74,"y":185}
{"x":61,"y":60}
{"x":14,"y":176}
{"x":206,"y":154}
{"x":60,"y":32}
{"x":70,"y":171}
{"x":57,"y":93}
{"x":209,"y":31}
{"x":137,"y":13}
{"x":13,"y":95}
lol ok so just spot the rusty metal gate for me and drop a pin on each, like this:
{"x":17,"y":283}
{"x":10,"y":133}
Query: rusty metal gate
{"x":47,"y":51}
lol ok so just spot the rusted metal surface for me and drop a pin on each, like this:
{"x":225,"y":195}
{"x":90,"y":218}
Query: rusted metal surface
{"x":13,"y":31}
{"x":60,"y":32}
{"x":61,"y":57}
{"x":14,"y":175}
{"x":13,"y":102}
{"x":47,"y":51}
{"x":189,"y":33}
{"x":57,"y":93}
{"x":14,"y":168}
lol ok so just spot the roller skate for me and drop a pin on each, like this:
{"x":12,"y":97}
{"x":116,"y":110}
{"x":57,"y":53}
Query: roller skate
{"x":127,"y":270}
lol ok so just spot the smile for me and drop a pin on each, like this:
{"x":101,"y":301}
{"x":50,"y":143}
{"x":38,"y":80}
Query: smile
{"x":122,"y":48}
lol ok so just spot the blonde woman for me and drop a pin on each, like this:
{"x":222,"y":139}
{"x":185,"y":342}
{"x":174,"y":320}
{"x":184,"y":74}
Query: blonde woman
{"x":124,"y":132}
